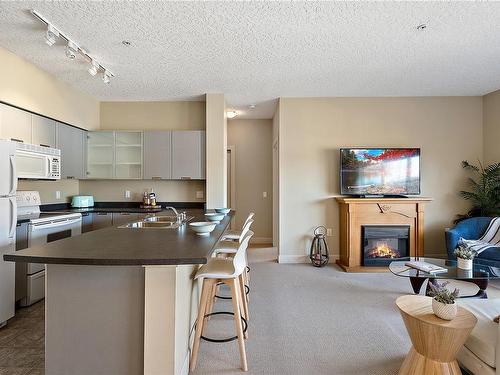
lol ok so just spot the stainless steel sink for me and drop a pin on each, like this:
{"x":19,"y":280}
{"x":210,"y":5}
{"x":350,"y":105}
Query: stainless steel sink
{"x":151,"y":224}
{"x":165,"y":219}
{"x":164,"y":222}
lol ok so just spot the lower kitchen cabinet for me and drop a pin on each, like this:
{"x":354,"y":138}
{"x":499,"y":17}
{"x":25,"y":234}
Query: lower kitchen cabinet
{"x":101,"y":220}
{"x":87,"y":220}
{"x":121,"y":218}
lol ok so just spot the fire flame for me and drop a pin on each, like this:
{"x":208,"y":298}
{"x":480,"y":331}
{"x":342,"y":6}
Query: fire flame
{"x":383,"y":250}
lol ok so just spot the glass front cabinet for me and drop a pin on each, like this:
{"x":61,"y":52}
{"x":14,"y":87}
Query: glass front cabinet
{"x":115,"y":155}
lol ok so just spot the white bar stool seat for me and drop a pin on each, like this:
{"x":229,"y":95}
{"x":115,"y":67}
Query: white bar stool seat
{"x":234,"y":235}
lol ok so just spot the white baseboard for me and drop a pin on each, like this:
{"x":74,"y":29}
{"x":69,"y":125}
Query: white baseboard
{"x":268,"y":240}
{"x":301,"y":258}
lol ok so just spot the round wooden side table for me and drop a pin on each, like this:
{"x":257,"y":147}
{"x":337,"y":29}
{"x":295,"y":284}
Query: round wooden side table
{"x":435,"y":341}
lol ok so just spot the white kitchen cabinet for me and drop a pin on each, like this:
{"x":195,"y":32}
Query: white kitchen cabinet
{"x":71,"y":141}
{"x":158,"y":155}
{"x":128,"y":155}
{"x":43,"y":131}
{"x":100,"y":155}
{"x":15,"y":124}
{"x":188,"y":155}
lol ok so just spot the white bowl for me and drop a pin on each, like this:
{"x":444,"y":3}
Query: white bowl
{"x":202,"y":228}
{"x":215,"y":217}
{"x":222,"y":210}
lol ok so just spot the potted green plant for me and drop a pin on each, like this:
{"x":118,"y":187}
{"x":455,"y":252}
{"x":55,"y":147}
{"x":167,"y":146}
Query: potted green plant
{"x":484,"y":193}
{"x":443,"y":301}
{"x":464,"y":255}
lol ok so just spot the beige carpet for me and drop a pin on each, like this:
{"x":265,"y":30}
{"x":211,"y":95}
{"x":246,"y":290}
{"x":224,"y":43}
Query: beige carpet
{"x":306,"y":320}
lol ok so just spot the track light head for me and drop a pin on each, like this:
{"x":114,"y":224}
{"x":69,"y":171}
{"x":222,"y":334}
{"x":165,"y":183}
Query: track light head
{"x":94,"y":68}
{"x":71,"y":50}
{"x":51,"y":35}
{"x":105,"y":77}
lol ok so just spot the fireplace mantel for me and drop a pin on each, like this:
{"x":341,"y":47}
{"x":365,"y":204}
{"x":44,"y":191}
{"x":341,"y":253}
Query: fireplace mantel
{"x":356,"y":212}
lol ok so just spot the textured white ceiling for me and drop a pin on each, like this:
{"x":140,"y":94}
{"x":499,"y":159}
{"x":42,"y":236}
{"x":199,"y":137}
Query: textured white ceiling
{"x":254,"y":52}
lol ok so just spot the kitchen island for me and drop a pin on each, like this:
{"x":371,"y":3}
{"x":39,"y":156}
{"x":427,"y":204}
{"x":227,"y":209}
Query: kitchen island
{"x":122,"y":300}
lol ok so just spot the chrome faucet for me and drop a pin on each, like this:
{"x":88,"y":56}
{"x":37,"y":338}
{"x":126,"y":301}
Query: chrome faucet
{"x":178,"y":217}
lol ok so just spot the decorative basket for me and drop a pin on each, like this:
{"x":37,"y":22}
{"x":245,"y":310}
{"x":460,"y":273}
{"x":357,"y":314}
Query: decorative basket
{"x":443,"y":310}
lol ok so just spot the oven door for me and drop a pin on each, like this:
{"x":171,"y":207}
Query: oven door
{"x":43,"y":233}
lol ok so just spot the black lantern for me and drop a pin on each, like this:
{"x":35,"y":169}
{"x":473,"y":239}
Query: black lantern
{"x":319,"y":249}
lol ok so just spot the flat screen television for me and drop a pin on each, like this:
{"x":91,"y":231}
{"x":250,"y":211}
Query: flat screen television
{"x":380,"y":171}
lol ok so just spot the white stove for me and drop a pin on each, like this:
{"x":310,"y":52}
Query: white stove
{"x":43,"y":227}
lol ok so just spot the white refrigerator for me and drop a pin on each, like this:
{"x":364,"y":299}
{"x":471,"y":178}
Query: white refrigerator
{"x":8,"y":221}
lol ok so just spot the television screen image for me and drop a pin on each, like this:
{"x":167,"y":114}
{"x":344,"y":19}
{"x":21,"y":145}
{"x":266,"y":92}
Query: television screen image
{"x":380,"y":171}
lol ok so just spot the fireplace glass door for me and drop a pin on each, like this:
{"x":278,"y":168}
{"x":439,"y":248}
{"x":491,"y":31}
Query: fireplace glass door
{"x":383,"y":244}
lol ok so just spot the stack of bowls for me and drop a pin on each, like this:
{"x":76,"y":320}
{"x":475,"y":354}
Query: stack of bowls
{"x":214,"y":217}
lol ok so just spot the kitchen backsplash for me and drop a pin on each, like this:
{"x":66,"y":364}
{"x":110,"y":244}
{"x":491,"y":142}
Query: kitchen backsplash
{"x":114,"y":190}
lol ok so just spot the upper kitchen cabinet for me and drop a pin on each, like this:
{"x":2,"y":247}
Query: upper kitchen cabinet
{"x":100,"y":154}
{"x":43,"y":131}
{"x":158,"y":155}
{"x":71,"y":142}
{"x":188,"y":155}
{"x":15,"y":124}
{"x":128,"y":154}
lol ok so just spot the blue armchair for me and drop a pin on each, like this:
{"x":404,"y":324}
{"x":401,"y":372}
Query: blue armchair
{"x":472,"y":229}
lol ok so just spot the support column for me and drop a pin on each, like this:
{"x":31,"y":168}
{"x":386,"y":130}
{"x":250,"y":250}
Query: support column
{"x":216,"y":183}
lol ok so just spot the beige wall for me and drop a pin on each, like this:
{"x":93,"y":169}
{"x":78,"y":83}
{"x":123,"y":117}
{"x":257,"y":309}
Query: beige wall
{"x":166,"y":191}
{"x":27,"y":86}
{"x":216,"y":151}
{"x":153,"y":115}
{"x":48,"y":189}
{"x":447,"y":129}
{"x":276,"y":176}
{"x":491,"y":129}
{"x":252,"y":142}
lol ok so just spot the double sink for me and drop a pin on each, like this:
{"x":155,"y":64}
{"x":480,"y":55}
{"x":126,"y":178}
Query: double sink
{"x":163,"y":222}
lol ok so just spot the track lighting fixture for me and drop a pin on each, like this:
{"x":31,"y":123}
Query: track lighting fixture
{"x":94,"y":68}
{"x":231,"y":114}
{"x":105,"y":76}
{"x":51,"y":35}
{"x":72,"y":48}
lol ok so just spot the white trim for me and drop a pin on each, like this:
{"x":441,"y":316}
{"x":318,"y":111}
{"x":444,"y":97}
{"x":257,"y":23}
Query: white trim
{"x":267,"y":240}
{"x":185,"y":365}
{"x":302,"y":259}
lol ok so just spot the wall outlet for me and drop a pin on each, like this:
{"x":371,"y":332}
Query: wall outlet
{"x":58,"y":194}
{"x":264,"y":194}
{"x":127,"y":193}
{"x":329,"y":232}
{"x":199,"y":194}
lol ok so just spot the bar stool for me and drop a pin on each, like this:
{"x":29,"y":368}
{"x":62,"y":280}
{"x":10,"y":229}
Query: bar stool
{"x":233,"y":235}
{"x":229,"y":272}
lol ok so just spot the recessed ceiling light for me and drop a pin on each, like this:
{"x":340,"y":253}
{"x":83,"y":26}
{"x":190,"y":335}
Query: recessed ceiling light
{"x":231,"y":114}
{"x":422,"y":26}
{"x":251,"y":106}
{"x":126,"y":43}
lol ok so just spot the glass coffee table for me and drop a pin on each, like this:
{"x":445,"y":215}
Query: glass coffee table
{"x":479,"y":275}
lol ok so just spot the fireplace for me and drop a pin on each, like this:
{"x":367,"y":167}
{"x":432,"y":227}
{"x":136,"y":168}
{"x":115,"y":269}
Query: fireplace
{"x":382,"y":244}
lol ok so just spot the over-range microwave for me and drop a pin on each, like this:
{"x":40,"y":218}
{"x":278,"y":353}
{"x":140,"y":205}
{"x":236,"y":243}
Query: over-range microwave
{"x":38,"y":162}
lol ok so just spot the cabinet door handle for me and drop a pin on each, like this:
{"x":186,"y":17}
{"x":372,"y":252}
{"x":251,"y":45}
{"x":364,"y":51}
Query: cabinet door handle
{"x":44,"y":145}
{"x":17,"y":140}
{"x":156,"y":178}
{"x":70,"y":177}
{"x":185,"y":178}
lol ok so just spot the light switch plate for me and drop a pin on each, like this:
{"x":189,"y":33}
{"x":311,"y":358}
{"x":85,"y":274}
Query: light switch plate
{"x":199,"y":194}
{"x":127,"y":193}
{"x":58,"y":194}
{"x":264,"y":194}
{"x":329,"y":232}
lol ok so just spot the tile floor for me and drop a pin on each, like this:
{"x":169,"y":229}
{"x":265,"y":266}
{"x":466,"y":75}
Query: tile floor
{"x":22,"y":342}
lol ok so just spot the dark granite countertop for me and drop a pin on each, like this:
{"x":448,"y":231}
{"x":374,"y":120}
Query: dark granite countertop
{"x":128,"y":247}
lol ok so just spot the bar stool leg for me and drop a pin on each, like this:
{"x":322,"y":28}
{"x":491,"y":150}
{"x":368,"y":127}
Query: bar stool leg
{"x":207,"y":285}
{"x":244,"y":304}
{"x":235,"y":292}
{"x":211,"y":299}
